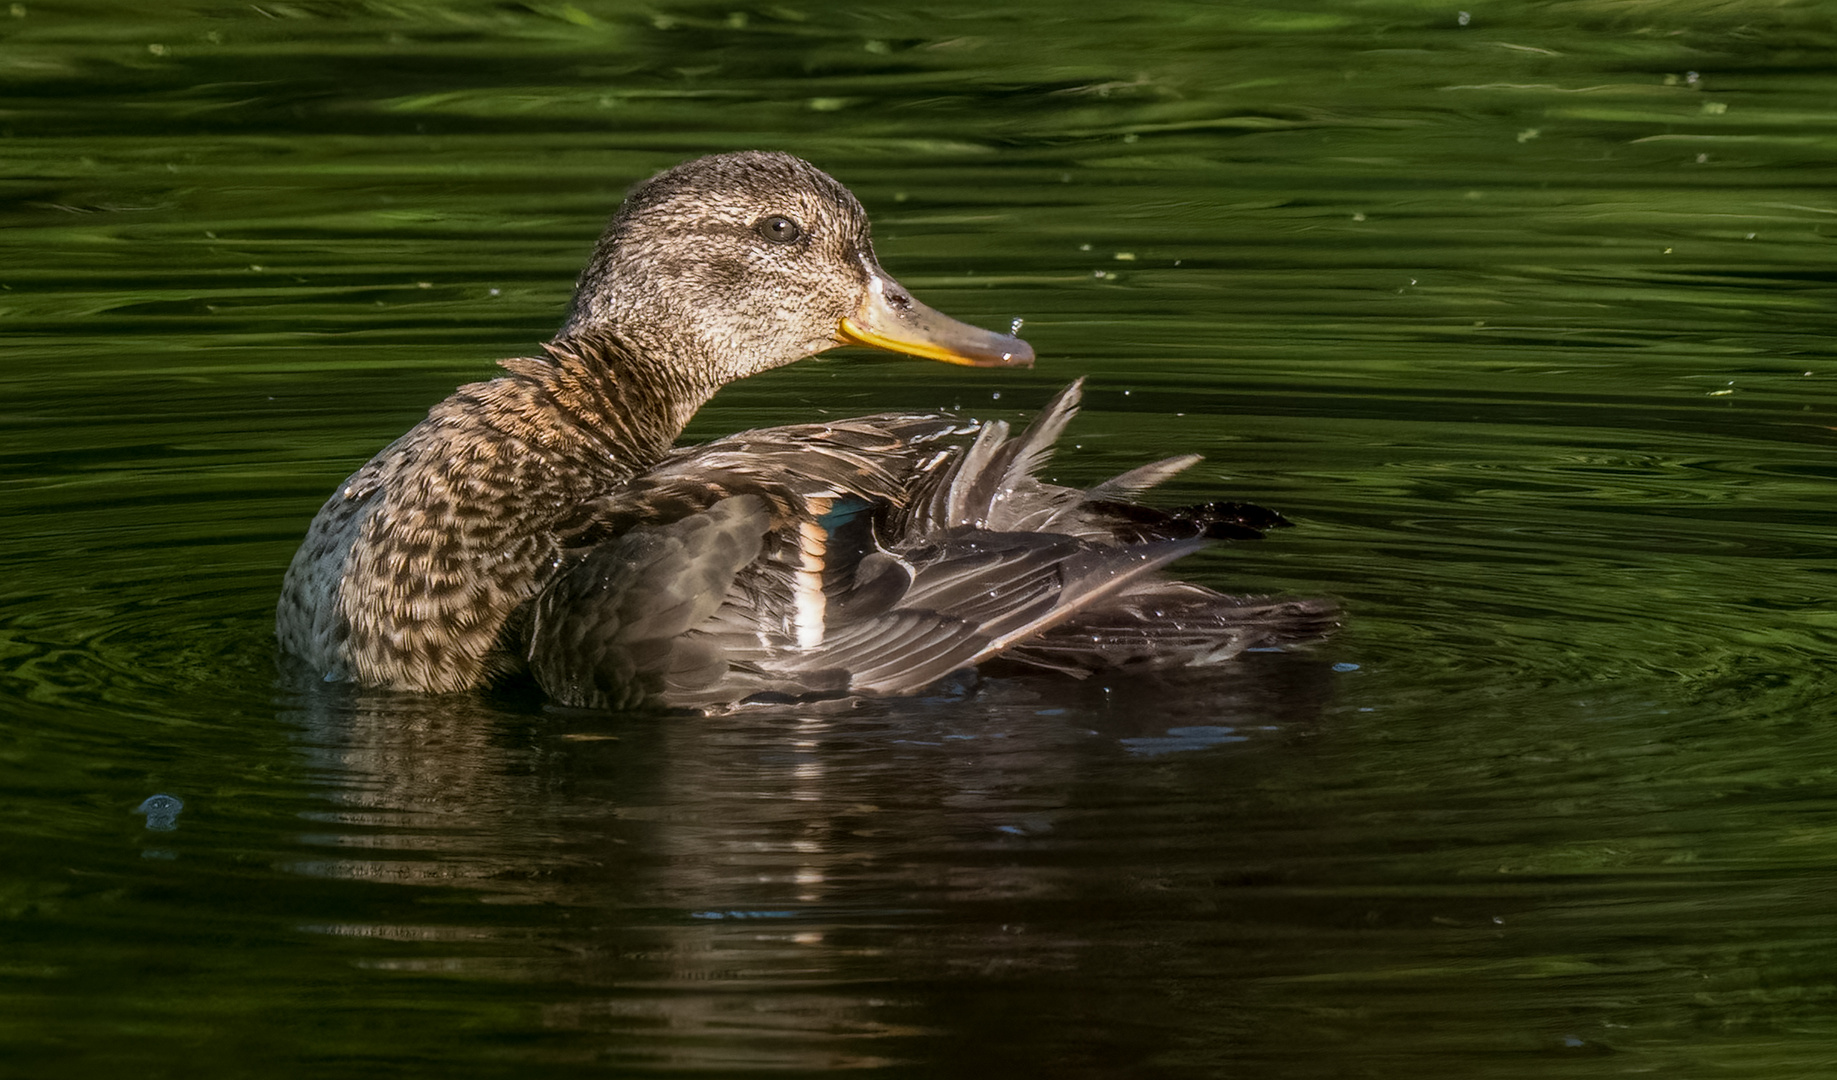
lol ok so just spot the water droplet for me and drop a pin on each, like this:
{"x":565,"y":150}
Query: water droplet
{"x":162,"y":812}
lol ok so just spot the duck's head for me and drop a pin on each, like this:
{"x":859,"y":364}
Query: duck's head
{"x":744,"y":262}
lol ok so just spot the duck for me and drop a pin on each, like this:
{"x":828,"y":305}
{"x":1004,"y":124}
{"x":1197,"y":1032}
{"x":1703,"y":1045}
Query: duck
{"x":544,"y":525}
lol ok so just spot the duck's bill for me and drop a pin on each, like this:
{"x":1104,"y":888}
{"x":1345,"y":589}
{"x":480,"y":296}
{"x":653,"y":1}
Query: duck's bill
{"x":889,"y":318}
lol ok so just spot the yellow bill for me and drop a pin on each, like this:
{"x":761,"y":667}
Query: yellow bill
{"x":889,"y":318}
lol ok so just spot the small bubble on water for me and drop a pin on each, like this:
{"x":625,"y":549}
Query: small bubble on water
{"x":1464,"y":18}
{"x":162,"y":812}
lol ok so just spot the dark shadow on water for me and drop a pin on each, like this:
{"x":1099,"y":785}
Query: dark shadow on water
{"x":860,"y":884}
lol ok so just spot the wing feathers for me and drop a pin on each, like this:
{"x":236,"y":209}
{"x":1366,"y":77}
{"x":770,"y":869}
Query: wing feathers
{"x":876,"y":556}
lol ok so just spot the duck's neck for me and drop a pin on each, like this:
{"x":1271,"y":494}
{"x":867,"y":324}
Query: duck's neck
{"x":410,"y":571}
{"x":614,"y":394}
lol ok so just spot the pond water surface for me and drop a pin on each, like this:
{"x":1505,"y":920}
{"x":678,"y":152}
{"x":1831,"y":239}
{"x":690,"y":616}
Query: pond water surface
{"x":1523,"y":313}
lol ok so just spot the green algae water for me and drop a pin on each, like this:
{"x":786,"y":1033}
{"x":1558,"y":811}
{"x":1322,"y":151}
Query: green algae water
{"x":1523,"y":313}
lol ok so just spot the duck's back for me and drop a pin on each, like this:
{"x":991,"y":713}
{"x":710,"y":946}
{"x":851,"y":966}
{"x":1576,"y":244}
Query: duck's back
{"x":874,"y":556}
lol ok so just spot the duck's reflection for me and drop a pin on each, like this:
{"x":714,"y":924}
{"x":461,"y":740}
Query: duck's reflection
{"x":771,"y":887}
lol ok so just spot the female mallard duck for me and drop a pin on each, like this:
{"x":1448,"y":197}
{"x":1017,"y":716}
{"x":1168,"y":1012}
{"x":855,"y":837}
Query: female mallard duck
{"x":540,"y":521}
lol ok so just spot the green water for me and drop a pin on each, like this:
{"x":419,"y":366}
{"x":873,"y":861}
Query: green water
{"x":1524,"y":314}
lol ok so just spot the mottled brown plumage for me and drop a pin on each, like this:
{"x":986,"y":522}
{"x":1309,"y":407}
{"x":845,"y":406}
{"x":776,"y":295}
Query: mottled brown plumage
{"x":541,"y":521}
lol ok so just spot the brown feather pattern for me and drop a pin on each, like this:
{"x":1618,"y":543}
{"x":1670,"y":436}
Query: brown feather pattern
{"x":540,"y":520}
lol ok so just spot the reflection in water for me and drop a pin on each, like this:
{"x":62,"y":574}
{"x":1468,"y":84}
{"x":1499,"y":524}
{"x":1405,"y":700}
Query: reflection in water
{"x":779,"y":886}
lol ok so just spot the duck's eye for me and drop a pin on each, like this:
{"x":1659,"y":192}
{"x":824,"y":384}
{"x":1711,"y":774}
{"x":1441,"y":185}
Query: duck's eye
{"x":779,"y":229}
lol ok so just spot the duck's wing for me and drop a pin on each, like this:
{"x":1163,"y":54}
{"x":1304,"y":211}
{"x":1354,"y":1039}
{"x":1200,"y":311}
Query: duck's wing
{"x":876,"y":556}
{"x":613,"y":630}
{"x":1150,"y":623}
{"x":905,"y":619}
{"x":735,"y":603}
{"x":736,"y":528}
{"x":756,"y":566}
